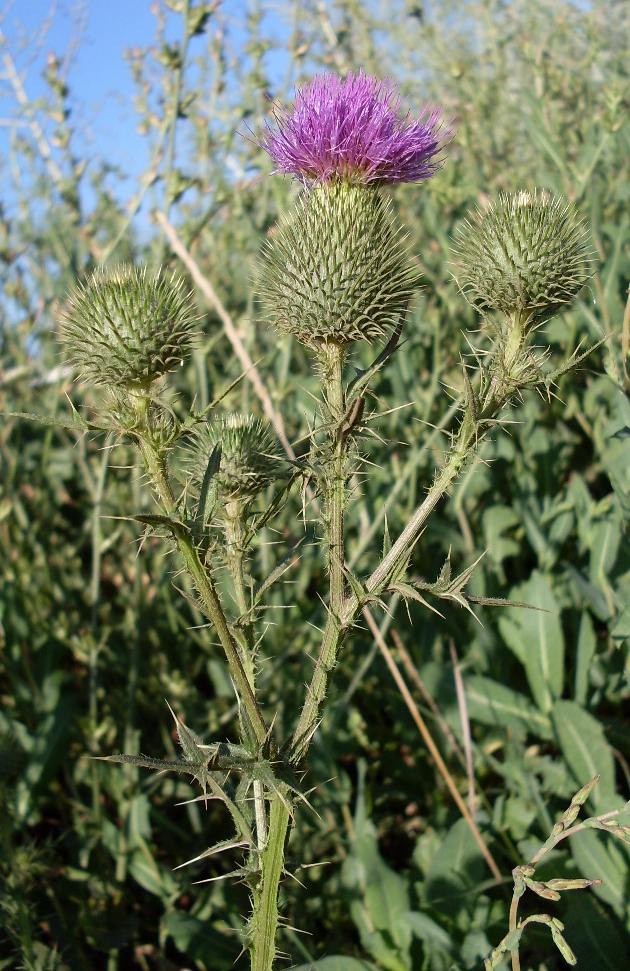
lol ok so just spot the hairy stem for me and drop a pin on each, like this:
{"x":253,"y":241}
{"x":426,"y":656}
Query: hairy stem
{"x":235,"y":550}
{"x":265,"y":914}
{"x":331,"y":361}
{"x":155,"y":465}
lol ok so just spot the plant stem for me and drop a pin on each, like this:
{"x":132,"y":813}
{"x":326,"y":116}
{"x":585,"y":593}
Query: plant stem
{"x":265,"y":914}
{"x":235,"y":550}
{"x":331,"y":359}
{"x":155,"y":465}
{"x":404,"y":544}
{"x":512,"y":925}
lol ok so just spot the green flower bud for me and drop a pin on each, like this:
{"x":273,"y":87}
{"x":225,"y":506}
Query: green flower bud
{"x":127,"y":327}
{"x":152,"y":418}
{"x":524,"y":256}
{"x":336,"y":270}
{"x":251,"y":458}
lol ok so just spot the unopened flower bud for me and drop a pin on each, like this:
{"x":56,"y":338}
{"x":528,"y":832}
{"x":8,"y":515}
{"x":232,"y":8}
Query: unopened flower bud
{"x":336,"y":270}
{"x":524,"y":256}
{"x":126,"y":327}
{"x":250,"y":457}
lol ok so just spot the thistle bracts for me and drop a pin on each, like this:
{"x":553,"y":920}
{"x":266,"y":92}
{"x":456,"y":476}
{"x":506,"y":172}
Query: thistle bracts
{"x":244,"y":458}
{"x":524,"y":256}
{"x":337,"y":270}
{"x":127,"y":327}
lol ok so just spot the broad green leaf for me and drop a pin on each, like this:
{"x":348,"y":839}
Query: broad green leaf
{"x":337,"y":963}
{"x":382,"y":899}
{"x":428,"y":931}
{"x":585,"y":750}
{"x":586,"y":646}
{"x":605,"y":539}
{"x":380,"y":896}
{"x":200,"y":942}
{"x":145,"y":871}
{"x":589,"y":595}
{"x":492,"y":703}
{"x":495,"y":521}
{"x":379,"y":943}
{"x":621,"y":630}
{"x":456,"y":869}
{"x":536,"y":638}
{"x":599,"y":858}
{"x":593,"y":936}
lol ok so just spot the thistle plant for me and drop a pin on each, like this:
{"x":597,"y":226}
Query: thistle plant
{"x":336,"y":272}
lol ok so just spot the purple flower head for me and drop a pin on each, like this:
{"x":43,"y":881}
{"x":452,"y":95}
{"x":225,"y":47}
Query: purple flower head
{"x":353,"y":130}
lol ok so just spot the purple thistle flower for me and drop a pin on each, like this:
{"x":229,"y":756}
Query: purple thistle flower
{"x":352,"y":129}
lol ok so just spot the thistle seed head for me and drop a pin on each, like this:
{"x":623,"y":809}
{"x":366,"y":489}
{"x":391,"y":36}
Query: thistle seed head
{"x":251,"y":458}
{"x":336,"y":270}
{"x":524,"y":255}
{"x":126,"y":327}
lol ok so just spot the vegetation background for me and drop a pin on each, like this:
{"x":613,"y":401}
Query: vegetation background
{"x":93,"y":635}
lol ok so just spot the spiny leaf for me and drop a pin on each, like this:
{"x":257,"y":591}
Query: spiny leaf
{"x":204,"y":513}
{"x":279,"y":569}
{"x":360,"y":382}
{"x":76,"y":424}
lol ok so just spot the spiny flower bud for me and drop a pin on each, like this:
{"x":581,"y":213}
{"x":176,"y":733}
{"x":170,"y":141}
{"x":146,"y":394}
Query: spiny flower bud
{"x":336,"y":270}
{"x":250,"y":457}
{"x":127,"y":327}
{"x":524,"y":256}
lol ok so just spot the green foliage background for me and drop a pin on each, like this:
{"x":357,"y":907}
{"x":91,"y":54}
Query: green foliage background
{"x":94,"y":637}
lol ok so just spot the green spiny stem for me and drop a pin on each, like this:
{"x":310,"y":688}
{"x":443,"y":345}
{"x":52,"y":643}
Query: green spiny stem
{"x":465,"y":446}
{"x":341,"y":619}
{"x":331,"y":360}
{"x":265,"y":911}
{"x":155,"y":465}
{"x":235,"y":548}
{"x":316,"y":693}
{"x":338,"y":624}
{"x":234,"y":538}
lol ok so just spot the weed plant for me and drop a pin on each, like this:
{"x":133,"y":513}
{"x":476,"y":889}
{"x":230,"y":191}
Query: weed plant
{"x":487,"y":727}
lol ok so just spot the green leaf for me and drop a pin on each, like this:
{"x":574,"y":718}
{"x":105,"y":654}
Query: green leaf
{"x":536,"y":638}
{"x":596,"y":941}
{"x":492,"y":703}
{"x":428,"y":931}
{"x":605,"y":539}
{"x":145,"y":871}
{"x":75,"y":424}
{"x":337,"y":963}
{"x":598,"y":858}
{"x":380,"y":895}
{"x":496,"y":521}
{"x":621,"y":630}
{"x":585,"y":750}
{"x":586,"y":646}
{"x":199,"y":941}
{"x":457,"y":868}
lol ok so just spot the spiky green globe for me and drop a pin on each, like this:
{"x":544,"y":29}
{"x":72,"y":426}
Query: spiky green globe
{"x":336,"y":270}
{"x":127,"y":326}
{"x":251,"y":458}
{"x":523,"y":255}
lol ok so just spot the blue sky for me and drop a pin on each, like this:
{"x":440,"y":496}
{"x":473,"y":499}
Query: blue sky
{"x":98,"y":73}
{"x":93,"y":34}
